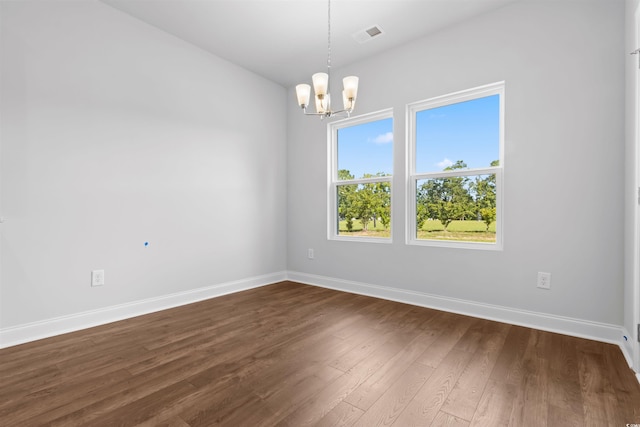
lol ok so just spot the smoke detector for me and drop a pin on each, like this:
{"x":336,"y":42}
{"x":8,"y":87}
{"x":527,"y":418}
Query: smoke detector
{"x":367,"y":34}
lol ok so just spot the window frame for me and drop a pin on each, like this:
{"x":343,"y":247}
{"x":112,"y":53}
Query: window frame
{"x":413,"y":177}
{"x":333,"y":182}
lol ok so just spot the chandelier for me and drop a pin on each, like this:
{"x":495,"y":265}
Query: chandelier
{"x":321,"y":88}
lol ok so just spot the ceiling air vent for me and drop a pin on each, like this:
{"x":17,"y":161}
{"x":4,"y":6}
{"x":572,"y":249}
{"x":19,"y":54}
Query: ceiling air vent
{"x":368,"y":34}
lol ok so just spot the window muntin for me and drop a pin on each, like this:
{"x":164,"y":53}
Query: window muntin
{"x":455,"y":169}
{"x":361,"y":165}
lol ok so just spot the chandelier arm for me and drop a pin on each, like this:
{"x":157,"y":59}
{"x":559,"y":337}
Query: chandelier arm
{"x":328,"y":114}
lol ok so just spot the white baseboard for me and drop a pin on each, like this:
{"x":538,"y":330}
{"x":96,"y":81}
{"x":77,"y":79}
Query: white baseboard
{"x":626,"y":346}
{"x":564,"y":325}
{"x":51,"y":327}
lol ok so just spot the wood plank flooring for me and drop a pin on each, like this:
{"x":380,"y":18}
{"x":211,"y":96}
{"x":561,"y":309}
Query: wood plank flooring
{"x":296,"y":355}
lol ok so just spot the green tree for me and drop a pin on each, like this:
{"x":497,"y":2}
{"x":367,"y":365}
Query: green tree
{"x":346,"y":197}
{"x":446,"y":199}
{"x":365,"y":203}
{"x":383,"y":189}
{"x":382,"y":201}
{"x":371,"y":201}
{"x":484,"y":190}
{"x":488,"y":216}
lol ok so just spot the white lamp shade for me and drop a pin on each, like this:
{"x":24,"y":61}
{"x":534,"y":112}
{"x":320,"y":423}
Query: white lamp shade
{"x":320,"y":83}
{"x":303,"y":92}
{"x":350,"y":87}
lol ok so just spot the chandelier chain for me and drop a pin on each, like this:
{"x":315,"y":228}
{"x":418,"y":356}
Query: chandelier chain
{"x":329,"y":38}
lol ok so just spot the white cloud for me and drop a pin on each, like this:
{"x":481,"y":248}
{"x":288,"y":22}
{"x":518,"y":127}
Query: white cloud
{"x":445,"y":163}
{"x":384,"y":138}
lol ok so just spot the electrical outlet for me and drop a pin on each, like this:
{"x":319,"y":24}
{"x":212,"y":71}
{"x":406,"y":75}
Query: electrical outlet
{"x":97,"y":278}
{"x":544,"y":280}
{"x":310,"y":253}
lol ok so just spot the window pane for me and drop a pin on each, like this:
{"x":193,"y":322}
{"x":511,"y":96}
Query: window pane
{"x":465,"y":134}
{"x":364,"y":209}
{"x":365,"y":150}
{"x":461,"y":208}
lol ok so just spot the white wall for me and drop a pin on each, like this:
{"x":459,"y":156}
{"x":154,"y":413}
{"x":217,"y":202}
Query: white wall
{"x":115,"y":134}
{"x":563,"y":66}
{"x":631,"y":294}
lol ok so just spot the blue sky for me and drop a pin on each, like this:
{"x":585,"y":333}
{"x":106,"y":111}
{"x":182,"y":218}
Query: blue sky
{"x":366,"y":148}
{"x":468,"y":131}
{"x":440,"y":139}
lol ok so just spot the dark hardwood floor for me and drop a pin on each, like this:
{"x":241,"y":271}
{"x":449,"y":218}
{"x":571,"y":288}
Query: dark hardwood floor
{"x":297,"y":355}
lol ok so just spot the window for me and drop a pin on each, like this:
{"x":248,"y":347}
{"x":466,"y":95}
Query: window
{"x":360,"y":174}
{"x":455,"y":169}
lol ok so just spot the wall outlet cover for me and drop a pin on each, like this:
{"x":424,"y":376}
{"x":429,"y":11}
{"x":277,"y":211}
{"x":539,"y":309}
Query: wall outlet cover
{"x":97,"y":278}
{"x":544,"y":280}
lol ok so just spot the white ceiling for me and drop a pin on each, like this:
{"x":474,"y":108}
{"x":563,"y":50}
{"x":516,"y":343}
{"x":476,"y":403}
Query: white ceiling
{"x":286,"y":40}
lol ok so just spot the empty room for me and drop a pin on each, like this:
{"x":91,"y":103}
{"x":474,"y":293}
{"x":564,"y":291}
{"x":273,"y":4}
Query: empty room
{"x":319,"y":213}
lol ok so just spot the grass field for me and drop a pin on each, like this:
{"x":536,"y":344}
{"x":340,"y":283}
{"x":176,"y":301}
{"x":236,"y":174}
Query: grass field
{"x":467,"y":231}
{"x":459,"y":226}
{"x":377,"y":231}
